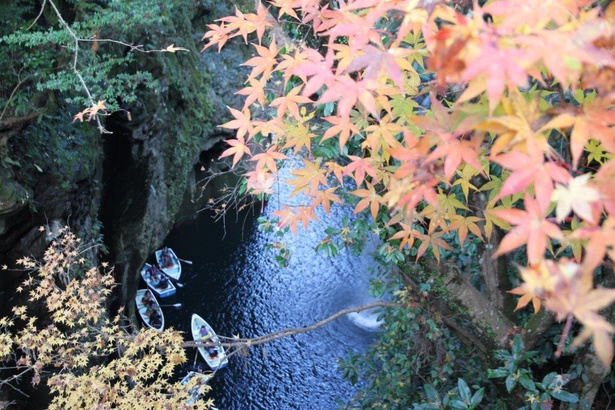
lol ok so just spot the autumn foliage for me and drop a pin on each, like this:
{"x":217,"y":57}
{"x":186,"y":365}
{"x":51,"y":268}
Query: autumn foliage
{"x":409,"y":109}
{"x":64,"y":338}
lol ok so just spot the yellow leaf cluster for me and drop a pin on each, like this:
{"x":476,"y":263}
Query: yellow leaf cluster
{"x":102,"y":363}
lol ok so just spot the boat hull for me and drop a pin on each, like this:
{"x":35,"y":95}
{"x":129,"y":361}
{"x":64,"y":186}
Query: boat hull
{"x":175,"y":270}
{"x":142,"y":308}
{"x":219,"y":361}
{"x":162,"y":293}
{"x":194,"y":391}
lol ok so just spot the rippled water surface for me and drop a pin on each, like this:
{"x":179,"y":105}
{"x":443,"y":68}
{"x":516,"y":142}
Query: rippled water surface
{"x":237,"y":287}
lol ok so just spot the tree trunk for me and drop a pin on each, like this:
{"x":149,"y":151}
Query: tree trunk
{"x":490,"y":326}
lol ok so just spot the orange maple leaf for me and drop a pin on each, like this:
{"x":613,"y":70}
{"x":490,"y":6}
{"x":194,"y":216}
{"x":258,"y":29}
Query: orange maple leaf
{"x":374,"y":61}
{"x":268,"y":158}
{"x":349,"y":92}
{"x":237,"y":150}
{"x":217,"y":34}
{"x":537,"y":281}
{"x":308,"y":178}
{"x":326,"y":198}
{"x":91,"y":112}
{"x":536,"y":14}
{"x":463,"y":225}
{"x":433,"y":240}
{"x":255,"y":92}
{"x":574,"y":295}
{"x":264,"y":63}
{"x":241,"y":123}
{"x":370,"y":198}
{"x":359,"y":168}
{"x":284,"y":7}
{"x":289,"y":102}
{"x":501,"y":67}
{"x":342,"y":126}
{"x":260,"y":182}
{"x":406,"y":234}
{"x":315,"y":66}
{"x":594,"y":119}
{"x":601,"y":242}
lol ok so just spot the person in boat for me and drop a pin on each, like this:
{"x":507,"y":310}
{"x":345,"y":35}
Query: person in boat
{"x":213,"y":352}
{"x":149,"y":273}
{"x":204,"y":333}
{"x":165,"y":258}
{"x":162,"y":282}
{"x":155,"y":319}
{"x":147,"y":299}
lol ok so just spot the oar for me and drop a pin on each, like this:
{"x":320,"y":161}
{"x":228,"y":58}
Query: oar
{"x":176,"y":305}
{"x":185,"y":261}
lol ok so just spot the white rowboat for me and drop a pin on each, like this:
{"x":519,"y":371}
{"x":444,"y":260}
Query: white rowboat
{"x":200,"y":380}
{"x":173,"y":268}
{"x":142,"y":308}
{"x":218,"y":361}
{"x":161,"y":292}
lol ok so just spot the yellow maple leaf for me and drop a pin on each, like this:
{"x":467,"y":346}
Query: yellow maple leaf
{"x":173,"y":49}
{"x":537,"y":280}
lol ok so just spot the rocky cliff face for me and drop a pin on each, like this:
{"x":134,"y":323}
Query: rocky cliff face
{"x":128,"y":185}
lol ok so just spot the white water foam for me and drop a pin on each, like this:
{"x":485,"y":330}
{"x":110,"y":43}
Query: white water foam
{"x":367,"y":320}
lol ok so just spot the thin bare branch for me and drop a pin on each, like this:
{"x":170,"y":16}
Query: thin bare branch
{"x":243,"y":343}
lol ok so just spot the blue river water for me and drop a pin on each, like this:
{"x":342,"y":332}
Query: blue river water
{"x":235,"y":284}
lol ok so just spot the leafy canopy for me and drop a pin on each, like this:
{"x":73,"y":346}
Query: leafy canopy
{"x":407,"y":109}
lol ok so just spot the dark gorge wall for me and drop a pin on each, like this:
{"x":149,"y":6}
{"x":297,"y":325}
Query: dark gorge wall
{"x":129,"y":185}
{"x":122,"y":190}
{"x":150,"y":158}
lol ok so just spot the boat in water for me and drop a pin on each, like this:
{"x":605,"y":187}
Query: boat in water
{"x":169,"y":262}
{"x":216,"y":359}
{"x":153,"y":282}
{"x":200,"y":380}
{"x":144,"y":299}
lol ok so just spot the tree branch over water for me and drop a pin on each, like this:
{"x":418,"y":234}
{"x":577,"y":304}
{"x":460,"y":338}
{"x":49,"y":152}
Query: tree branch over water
{"x":244,"y":343}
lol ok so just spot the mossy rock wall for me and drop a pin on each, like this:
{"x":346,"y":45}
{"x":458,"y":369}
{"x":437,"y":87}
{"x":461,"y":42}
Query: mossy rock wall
{"x":128,"y":185}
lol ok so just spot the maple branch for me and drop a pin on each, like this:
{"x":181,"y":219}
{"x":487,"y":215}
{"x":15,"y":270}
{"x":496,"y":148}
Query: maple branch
{"x":95,"y":113}
{"x":15,"y":377}
{"x":535,"y":327}
{"x":226,"y":198}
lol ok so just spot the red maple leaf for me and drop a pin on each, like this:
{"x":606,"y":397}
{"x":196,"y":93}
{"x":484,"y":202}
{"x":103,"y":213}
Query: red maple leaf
{"x":530,"y":168}
{"x":531,"y":227}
